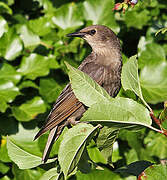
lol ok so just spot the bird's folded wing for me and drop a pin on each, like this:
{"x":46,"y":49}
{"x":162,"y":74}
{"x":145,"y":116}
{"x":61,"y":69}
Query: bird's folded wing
{"x":67,"y":103}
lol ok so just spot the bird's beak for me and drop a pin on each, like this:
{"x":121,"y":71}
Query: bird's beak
{"x":76,"y":34}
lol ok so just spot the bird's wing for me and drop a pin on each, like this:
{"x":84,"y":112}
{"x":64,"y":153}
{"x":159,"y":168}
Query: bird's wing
{"x":67,"y":103}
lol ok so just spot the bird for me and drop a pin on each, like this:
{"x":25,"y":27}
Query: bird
{"x":103,"y":65}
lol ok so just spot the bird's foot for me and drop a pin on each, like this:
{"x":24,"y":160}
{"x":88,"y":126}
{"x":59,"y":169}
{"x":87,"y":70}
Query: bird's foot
{"x":72,"y":121}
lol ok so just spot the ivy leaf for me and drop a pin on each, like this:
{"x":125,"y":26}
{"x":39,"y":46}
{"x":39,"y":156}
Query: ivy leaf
{"x":49,"y":89}
{"x":130,"y":78}
{"x":4,"y":8}
{"x":141,"y":18}
{"x":8,"y":91}
{"x":151,"y":54}
{"x":10,"y":45}
{"x":29,"y":110}
{"x":34,"y":66}
{"x":100,"y":12}
{"x":154,"y":82}
{"x":85,"y":88}
{"x":68,"y":16}
{"x":3,"y":26}
{"x":28,"y":37}
{"x":120,"y":112}
{"x":8,"y":73}
{"x":73,"y":145}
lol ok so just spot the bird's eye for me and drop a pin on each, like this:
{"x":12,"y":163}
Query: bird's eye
{"x":92,"y":32}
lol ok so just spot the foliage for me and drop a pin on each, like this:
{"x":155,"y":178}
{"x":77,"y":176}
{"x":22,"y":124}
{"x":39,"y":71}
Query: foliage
{"x":33,"y":49}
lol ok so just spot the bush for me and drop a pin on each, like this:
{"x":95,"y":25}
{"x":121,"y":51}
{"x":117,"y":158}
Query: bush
{"x":33,"y":49}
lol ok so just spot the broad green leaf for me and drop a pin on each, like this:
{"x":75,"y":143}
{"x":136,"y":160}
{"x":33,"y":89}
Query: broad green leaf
{"x":4,"y":8}
{"x":151,"y":54}
{"x":3,"y":26}
{"x":154,"y":82}
{"x":8,"y":73}
{"x":94,"y":153}
{"x":154,"y":142}
{"x":105,"y":142}
{"x":28,"y":84}
{"x":4,"y":168}
{"x":130,"y":78}
{"x":10,"y":45}
{"x":85,"y":88}
{"x":104,"y":174}
{"x":68,"y":16}
{"x":34,"y":66}
{"x":8,"y":91}
{"x":49,"y":89}
{"x":73,"y":145}
{"x":23,"y":159}
{"x":26,"y":174}
{"x":3,"y":105}
{"x":163,"y":116}
{"x":142,"y":17}
{"x":120,"y":112}
{"x":43,"y":28}
{"x":23,"y":150}
{"x":28,"y":37}
{"x":29,"y":110}
{"x":156,"y":172}
{"x":100,"y":12}
{"x":51,"y":174}
{"x":5,"y":178}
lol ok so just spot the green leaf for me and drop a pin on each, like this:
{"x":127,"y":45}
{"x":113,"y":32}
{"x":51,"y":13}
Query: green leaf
{"x":105,"y":142}
{"x":28,"y":84}
{"x":51,"y":174}
{"x":163,"y":116}
{"x":28,"y":37}
{"x":104,"y":174}
{"x":27,"y":174}
{"x":100,"y":12}
{"x":154,"y":82}
{"x":34,"y":66}
{"x":49,"y":89}
{"x":94,"y":153}
{"x":151,"y":54}
{"x":120,"y":112}
{"x":85,"y":88}
{"x":8,"y":73}
{"x":68,"y":16}
{"x":10,"y":45}
{"x":3,"y":26}
{"x":23,"y":150}
{"x":73,"y":145}
{"x":22,"y":158}
{"x":154,"y":142}
{"x":8,"y":91}
{"x":3,"y":168}
{"x":130,"y":78}
{"x":3,"y":105}
{"x":142,"y":17}
{"x":4,"y":8}
{"x":43,"y":28}
{"x":156,"y":172}
{"x":29,"y":110}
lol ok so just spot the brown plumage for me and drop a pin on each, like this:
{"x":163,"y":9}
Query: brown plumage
{"x":103,"y":65}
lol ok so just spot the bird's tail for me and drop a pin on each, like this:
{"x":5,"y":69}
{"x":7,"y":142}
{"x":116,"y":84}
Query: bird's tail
{"x":53,"y":136}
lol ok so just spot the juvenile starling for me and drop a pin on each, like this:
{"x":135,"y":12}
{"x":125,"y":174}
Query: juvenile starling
{"x":104,"y":65}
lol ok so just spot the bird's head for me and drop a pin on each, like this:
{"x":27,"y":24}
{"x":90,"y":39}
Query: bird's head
{"x":100,"y":38}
